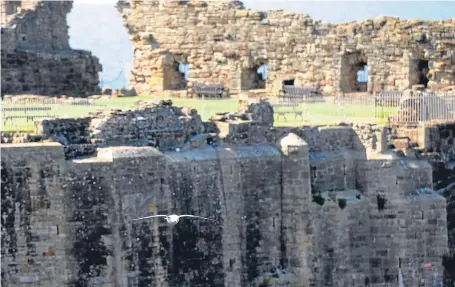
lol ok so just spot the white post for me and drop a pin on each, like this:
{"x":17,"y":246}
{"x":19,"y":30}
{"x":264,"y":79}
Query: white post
{"x":203,"y":111}
{"x":375,"y":112}
{"x":338,"y":106}
{"x":305,"y":111}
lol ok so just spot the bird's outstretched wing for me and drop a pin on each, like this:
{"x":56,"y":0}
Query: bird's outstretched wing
{"x":152,"y":216}
{"x":194,"y":216}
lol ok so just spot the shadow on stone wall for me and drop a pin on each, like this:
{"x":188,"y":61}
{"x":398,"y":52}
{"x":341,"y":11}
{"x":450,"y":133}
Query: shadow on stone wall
{"x":88,"y":201}
{"x":197,"y":258}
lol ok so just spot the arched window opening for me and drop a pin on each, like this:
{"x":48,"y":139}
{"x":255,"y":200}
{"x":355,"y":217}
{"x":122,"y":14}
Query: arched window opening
{"x":254,"y":78}
{"x":362,"y":77}
{"x":354,"y":72}
{"x":175,"y":76}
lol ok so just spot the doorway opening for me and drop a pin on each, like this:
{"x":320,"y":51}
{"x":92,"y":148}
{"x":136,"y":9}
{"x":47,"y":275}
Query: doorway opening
{"x":422,"y":67}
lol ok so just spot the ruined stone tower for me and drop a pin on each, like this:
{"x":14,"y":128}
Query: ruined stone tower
{"x":36,"y":55}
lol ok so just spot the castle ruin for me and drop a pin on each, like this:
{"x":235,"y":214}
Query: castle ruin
{"x":36,"y":55}
{"x":312,"y":206}
{"x":359,"y":205}
{"x":222,"y":42}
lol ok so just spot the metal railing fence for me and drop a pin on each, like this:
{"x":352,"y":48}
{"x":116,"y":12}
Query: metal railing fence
{"x":414,"y":107}
{"x":392,"y":107}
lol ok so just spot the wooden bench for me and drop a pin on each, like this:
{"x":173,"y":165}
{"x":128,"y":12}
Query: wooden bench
{"x":302,"y":94}
{"x":211,"y":91}
{"x":82,"y":103}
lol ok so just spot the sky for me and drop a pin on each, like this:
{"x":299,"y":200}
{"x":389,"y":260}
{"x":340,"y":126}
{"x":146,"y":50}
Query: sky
{"x":109,"y":41}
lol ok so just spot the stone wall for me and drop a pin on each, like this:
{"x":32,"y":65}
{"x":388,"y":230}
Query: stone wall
{"x":407,"y":206}
{"x":160,"y":125}
{"x":440,"y":138}
{"x":33,"y":216}
{"x":163,"y":126}
{"x":262,"y":197}
{"x":435,"y":143}
{"x":36,"y":56}
{"x":222,"y":42}
{"x":168,"y":127}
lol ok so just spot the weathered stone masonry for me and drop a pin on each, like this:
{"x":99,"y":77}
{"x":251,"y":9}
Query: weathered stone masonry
{"x":36,"y":56}
{"x":437,"y":142}
{"x":224,"y":43}
{"x":331,"y":206}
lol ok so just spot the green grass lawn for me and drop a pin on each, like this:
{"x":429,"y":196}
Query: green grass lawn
{"x":314,"y":114}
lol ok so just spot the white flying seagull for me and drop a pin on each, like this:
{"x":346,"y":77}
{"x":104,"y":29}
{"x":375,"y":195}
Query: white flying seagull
{"x":172,"y":219}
